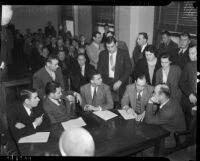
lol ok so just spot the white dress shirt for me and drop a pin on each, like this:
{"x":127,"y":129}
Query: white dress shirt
{"x":92,"y":90}
{"x":140,"y":93}
{"x":29,"y":113}
{"x":182,"y":50}
{"x":55,"y":101}
{"x":143,"y":47}
{"x":161,"y":106}
{"x":112,"y":72}
{"x":165,"y":75}
{"x":83,"y":70}
{"x":52,"y":74}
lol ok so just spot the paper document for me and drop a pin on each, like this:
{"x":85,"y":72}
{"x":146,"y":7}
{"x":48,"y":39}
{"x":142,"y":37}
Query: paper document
{"x":73,"y":123}
{"x":39,"y":137}
{"x":126,"y":115}
{"x":106,"y":115}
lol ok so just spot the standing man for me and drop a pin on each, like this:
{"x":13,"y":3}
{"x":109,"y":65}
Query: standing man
{"x":115,"y":67}
{"x":50,"y":30}
{"x":94,"y":48}
{"x":181,"y":57}
{"x":167,"y":45}
{"x":96,"y":96}
{"x":106,"y":30}
{"x":137,"y":95}
{"x":27,"y":118}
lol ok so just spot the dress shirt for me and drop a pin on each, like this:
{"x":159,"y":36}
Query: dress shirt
{"x":140,"y":93}
{"x":182,"y":50}
{"x":55,"y":101}
{"x":163,"y":104}
{"x":165,"y":75}
{"x":142,"y":49}
{"x":111,"y":72}
{"x":29,"y":113}
{"x":92,"y":90}
{"x":83,"y":70}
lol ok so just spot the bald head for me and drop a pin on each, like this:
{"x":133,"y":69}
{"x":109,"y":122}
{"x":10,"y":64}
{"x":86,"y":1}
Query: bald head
{"x":76,"y":142}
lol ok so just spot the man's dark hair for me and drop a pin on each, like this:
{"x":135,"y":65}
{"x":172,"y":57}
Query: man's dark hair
{"x":50,"y":57}
{"x":110,"y":39}
{"x":26,"y":94}
{"x":94,"y":34}
{"x":51,"y":87}
{"x":185,"y":35}
{"x":144,"y":35}
{"x":165,"y":33}
{"x":164,"y":89}
{"x":166,"y":55}
{"x":152,"y":49}
{"x":92,"y":73}
{"x":140,"y":76}
{"x":81,"y":54}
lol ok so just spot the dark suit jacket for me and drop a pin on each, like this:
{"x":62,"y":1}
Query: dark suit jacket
{"x":130,"y":96}
{"x":42,"y":77}
{"x":104,"y":97}
{"x":170,"y":48}
{"x":188,"y":82}
{"x":172,"y":80}
{"x":53,"y":50}
{"x":181,"y":60}
{"x":77,"y":79}
{"x":170,"y":116}
{"x":122,"y":68}
{"x":137,"y":54}
{"x":19,"y":114}
{"x":57,"y":113}
{"x":142,"y":67}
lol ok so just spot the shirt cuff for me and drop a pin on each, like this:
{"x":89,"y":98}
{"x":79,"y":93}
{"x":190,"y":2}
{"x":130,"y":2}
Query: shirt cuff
{"x":34,"y":125}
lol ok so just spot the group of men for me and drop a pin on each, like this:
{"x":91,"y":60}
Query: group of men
{"x":108,"y":87}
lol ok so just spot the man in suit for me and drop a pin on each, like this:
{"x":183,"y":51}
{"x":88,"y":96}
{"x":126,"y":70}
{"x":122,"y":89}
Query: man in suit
{"x":139,"y":50}
{"x":115,"y":67}
{"x":106,"y":30}
{"x":76,"y":142}
{"x":27,"y":118}
{"x":53,"y":48}
{"x":188,"y":84}
{"x":95,"y":48}
{"x":96,"y":96}
{"x":79,"y":73}
{"x":181,"y":56}
{"x":167,"y":45}
{"x":58,"y":105}
{"x":50,"y":72}
{"x":49,"y":29}
{"x":137,"y":95}
{"x":169,"y":114}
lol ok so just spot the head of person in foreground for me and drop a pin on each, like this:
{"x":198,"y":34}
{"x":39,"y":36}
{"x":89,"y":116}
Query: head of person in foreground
{"x":76,"y":142}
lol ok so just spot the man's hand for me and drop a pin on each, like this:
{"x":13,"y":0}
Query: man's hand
{"x":131,"y":111}
{"x":38,"y":121}
{"x":19,"y":125}
{"x":78,"y":98}
{"x":192,"y":98}
{"x":140,"y":117}
{"x":91,"y":108}
{"x":153,"y":99}
{"x":117,"y":85}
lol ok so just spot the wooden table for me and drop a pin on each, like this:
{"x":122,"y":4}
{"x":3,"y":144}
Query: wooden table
{"x":115,"y":137}
{"x":14,"y":75}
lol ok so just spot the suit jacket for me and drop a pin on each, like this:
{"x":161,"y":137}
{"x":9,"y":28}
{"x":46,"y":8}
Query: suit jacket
{"x":170,"y":48}
{"x":104,"y":97}
{"x":77,"y":79}
{"x":93,"y":53}
{"x":142,"y":67}
{"x":57,"y":113}
{"x":53,"y":50}
{"x":130,"y":96}
{"x":137,"y":54}
{"x":172,"y":80}
{"x":42,"y":77}
{"x":181,"y":59}
{"x":170,"y":116}
{"x":188,"y":82}
{"x":19,"y":114}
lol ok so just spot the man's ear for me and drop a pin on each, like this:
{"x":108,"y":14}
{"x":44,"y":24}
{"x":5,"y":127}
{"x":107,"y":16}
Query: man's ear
{"x":26,"y":101}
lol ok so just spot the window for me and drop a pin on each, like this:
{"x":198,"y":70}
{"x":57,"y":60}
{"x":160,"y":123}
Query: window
{"x":102,"y":15}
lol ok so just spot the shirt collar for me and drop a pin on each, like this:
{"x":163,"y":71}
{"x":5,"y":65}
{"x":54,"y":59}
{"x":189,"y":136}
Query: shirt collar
{"x":114,"y":54}
{"x":27,"y":110}
{"x":55,"y":101}
{"x":49,"y":71}
{"x":143,"y":47}
{"x":161,"y":106}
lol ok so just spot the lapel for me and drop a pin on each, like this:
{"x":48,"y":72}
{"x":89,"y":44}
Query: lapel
{"x":134,"y":96}
{"x":100,"y":91}
{"x":24,"y":115}
{"x":47,"y":76}
{"x":117,"y":63}
{"x":88,"y":93}
{"x":144,"y":96}
{"x":170,"y":75}
{"x":107,"y":64}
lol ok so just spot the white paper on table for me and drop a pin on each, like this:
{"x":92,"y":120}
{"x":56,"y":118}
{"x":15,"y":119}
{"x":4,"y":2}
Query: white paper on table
{"x":73,"y":123}
{"x":126,"y":115}
{"x":106,"y":115}
{"x":39,"y":137}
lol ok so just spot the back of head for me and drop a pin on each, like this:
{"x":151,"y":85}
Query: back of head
{"x":76,"y":142}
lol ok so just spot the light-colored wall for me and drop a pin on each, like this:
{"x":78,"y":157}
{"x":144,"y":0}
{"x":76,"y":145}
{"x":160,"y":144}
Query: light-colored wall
{"x":130,"y":20}
{"x":85,"y":21}
{"x":34,"y":16}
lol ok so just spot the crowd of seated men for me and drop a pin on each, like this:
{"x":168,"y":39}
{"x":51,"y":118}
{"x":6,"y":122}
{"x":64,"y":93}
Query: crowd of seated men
{"x":162,"y":90}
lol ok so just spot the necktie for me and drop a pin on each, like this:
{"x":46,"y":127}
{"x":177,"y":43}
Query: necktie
{"x":94,"y":97}
{"x":138,"y":103}
{"x":111,"y":62}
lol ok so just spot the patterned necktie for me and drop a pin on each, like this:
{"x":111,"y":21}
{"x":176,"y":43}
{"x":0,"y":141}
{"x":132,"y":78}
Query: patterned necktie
{"x":94,"y":97}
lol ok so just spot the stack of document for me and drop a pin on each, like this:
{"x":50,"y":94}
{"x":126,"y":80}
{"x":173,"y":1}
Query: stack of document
{"x":106,"y":115}
{"x":39,"y":137}
{"x":126,"y":115}
{"x":73,"y":123}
